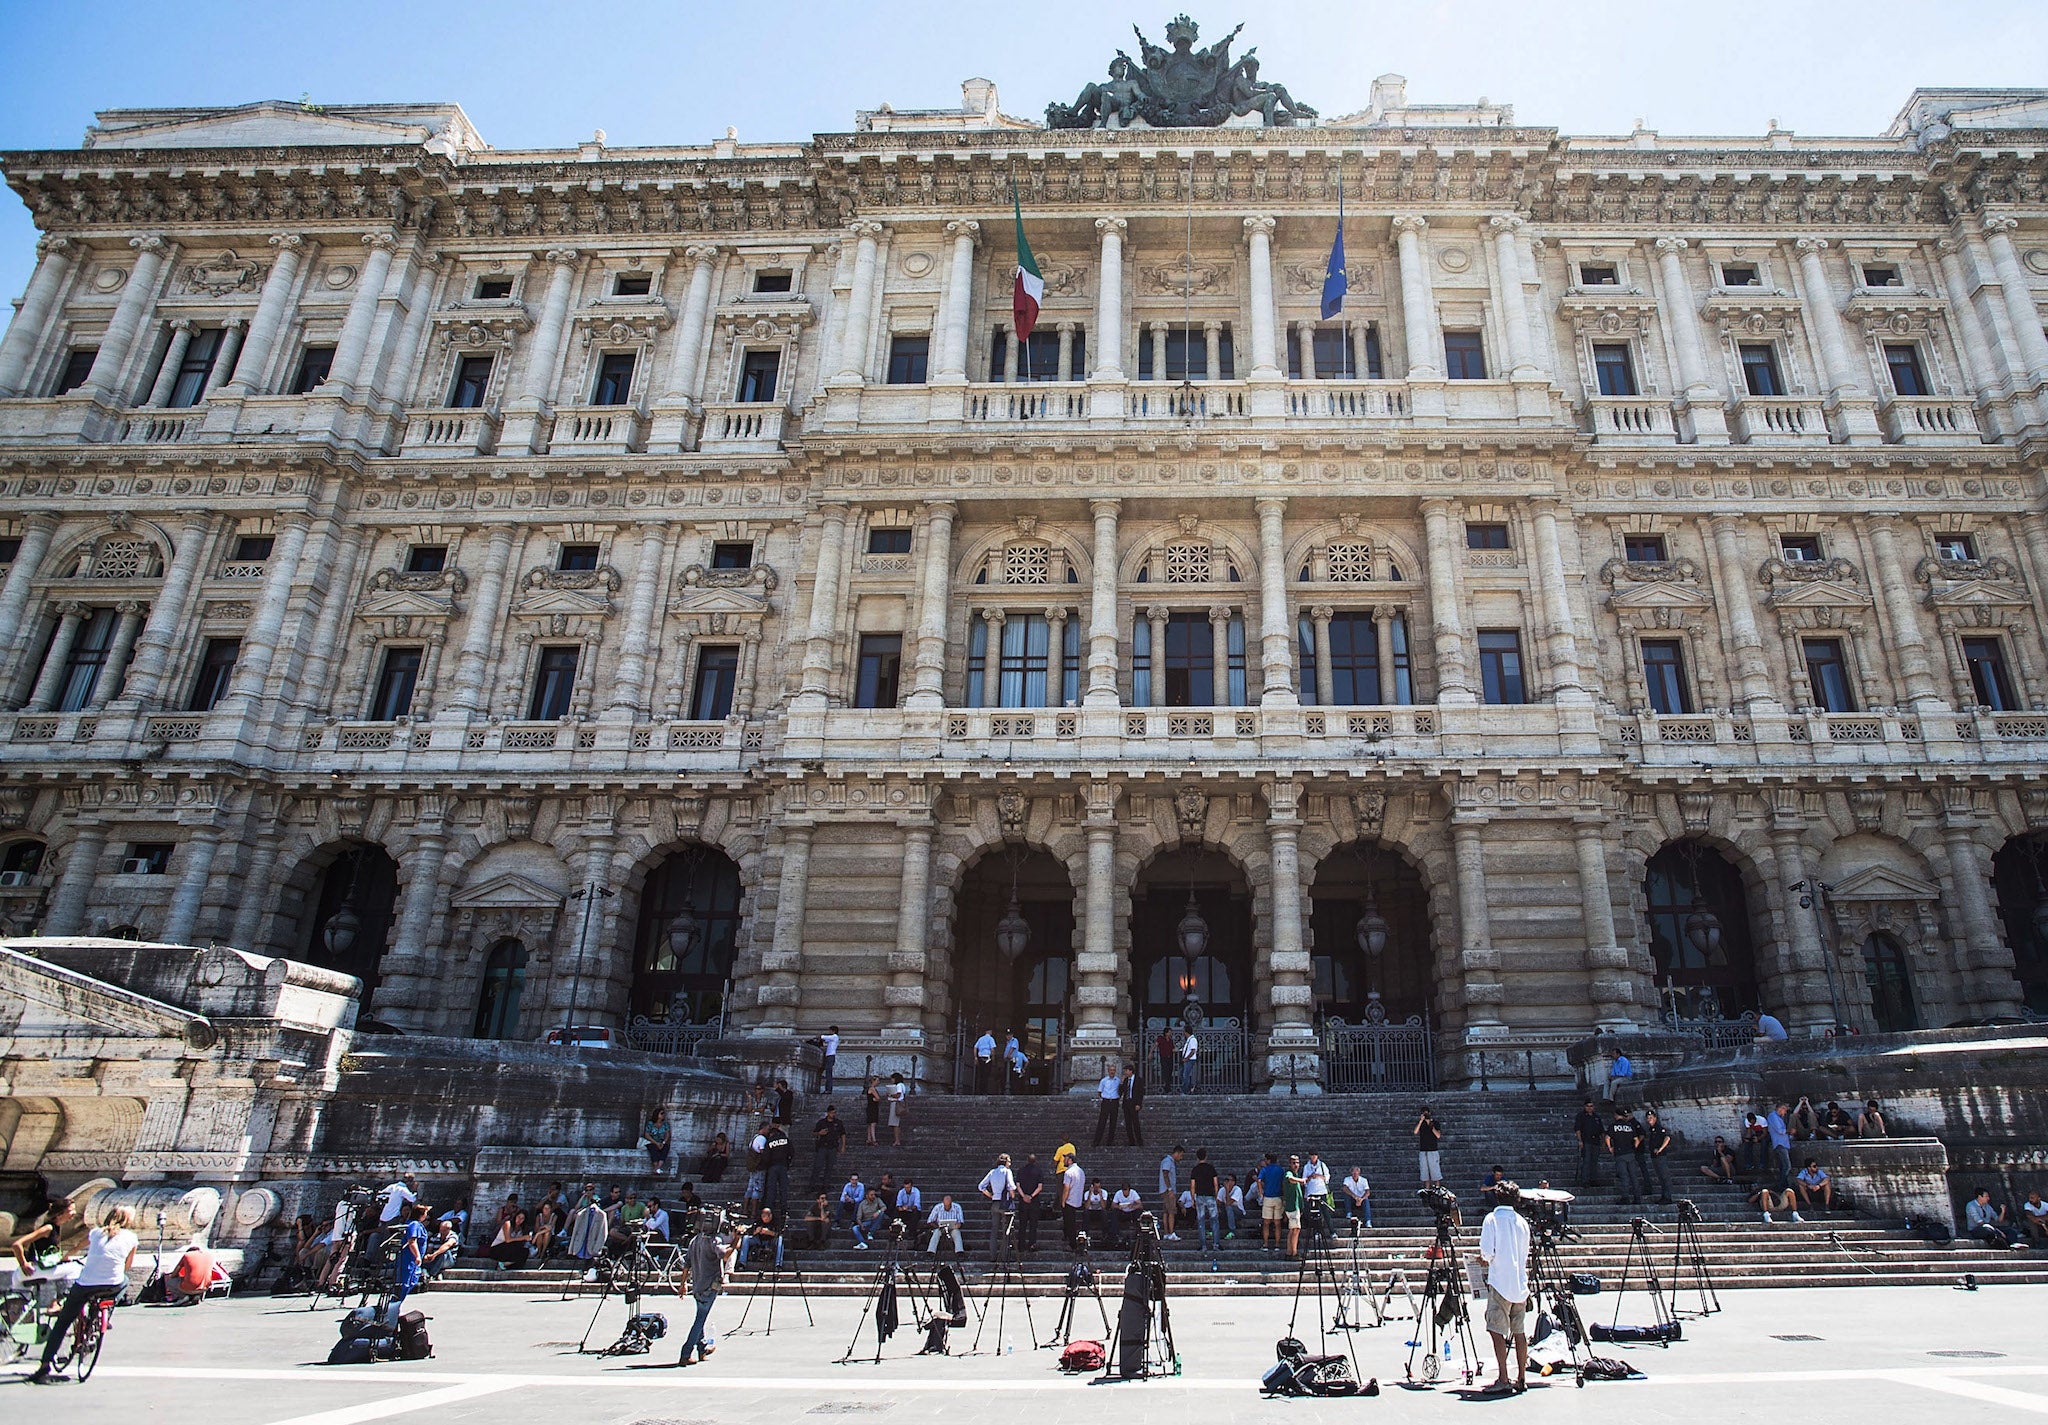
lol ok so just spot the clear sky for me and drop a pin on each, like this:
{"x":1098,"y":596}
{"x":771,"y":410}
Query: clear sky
{"x":542,"y":75}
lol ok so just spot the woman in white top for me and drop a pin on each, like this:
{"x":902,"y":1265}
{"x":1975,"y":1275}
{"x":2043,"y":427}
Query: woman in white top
{"x":109,"y":1253}
{"x":895,"y":1094}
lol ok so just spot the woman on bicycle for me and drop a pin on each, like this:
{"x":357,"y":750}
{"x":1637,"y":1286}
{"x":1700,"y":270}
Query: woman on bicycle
{"x":109,"y":1253}
{"x":39,"y":1254}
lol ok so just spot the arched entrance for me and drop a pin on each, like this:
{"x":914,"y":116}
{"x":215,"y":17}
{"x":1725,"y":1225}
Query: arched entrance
{"x":1372,"y":961}
{"x":2020,"y":874}
{"x":1191,"y":961}
{"x":1013,"y":942}
{"x":497,"y":1005}
{"x":683,"y":942}
{"x":353,"y":908}
{"x":1700,"y":934}
{"x":1889,"y":975}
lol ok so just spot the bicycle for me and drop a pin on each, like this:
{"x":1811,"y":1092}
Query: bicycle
{"x":21,"y":1326}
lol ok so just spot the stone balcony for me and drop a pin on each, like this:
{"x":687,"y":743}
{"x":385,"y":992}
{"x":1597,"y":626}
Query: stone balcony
{"x":742,"y":428}
{"x":1781,"y":420}
{"x":598,"y":430}
{"x":1631,"y":420}
{"x":450,"y":431}
{"x":1931,"y":420}
{"x":1808,"y":736}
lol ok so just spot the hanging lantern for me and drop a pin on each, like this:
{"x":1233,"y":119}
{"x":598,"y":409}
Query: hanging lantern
{"x":2041,"y":918}
{"x":1192,"y":932}
{"x":342,"y":930}
{"x":1013,"y":931}
{"x":1372,"y":930}
{"x":682,"y":932}
{"x":1703,"y":928}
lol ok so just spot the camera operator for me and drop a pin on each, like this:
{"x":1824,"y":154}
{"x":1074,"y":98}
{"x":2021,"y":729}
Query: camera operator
{"x":707,"y":1260}
{"x":1504,"y":1248}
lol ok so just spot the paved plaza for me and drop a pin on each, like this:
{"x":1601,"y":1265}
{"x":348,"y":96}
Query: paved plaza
{"x":1821,"y":1354}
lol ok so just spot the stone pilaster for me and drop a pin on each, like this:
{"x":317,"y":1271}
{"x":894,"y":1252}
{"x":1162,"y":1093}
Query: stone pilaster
{"x":934,"y":604}
{"x":1293,"y":1053}
{"x":54,"y":256}
{"x":271,"y":309}
{"x":1096,"y":1038}
{"x":1102,"y":632}
{"x":1276,"y":642}
{"x":168,"y":612}
{"x":138,"y":296}
{"x":1700,"y":406}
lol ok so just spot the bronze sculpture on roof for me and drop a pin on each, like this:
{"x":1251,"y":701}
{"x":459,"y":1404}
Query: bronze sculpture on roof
{"x":1179,"y":87}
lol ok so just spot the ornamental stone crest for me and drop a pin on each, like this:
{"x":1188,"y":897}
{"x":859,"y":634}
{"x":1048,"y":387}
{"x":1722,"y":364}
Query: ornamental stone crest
{"x":1179,"y":87}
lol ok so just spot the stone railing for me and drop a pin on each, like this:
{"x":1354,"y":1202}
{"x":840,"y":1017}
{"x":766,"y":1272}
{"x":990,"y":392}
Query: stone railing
{"x":1931,"y":420}
{"x":1780,"y":420}
{"x":1011,"y":724}
{"x":1152,"y":401}
{"x":993,"y":405}
{"x":158,"y":427}
{"x":742,"y":426}
{"x":883,"y":564}
{"x":249,"y":569}
{"x":1347,"y":400}
{"x":450,"y":431}
{"x":1630,"y":420}
{"x":598,"y":430}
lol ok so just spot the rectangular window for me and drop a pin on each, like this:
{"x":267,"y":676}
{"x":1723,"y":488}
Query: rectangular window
{"x":493,"y":289}
{"x":1989,"y":675}
{"x":1760,"y":369}
{"x":881,"y":663}
{"x":718,"y":673}
{"x":1464,"y":357}
{"x":395,"y":682}
{"x":77,"y":366}
{"x":888,"y":541}
{"x":216,"y":671}
{"x":1040,"y":358}
{"x":576,"y":558}
{"x":1336,"y":358}
{"x":1354,"y":660}
{"x":147,"y":858}
{"x":1500,"y":665}
{"x":633,"y":284}
{"x":1024,"y":661}
{"x":1828,"y":673}
{"x":10,"y":549}
{"x":1598,"y":274}
{"x":1226,"y":354}
{"x":554,"y":684}
{"x":1740,"y":274}
{"x":1615,"y":368}
{"x":1799,"y":548}
{"x":472,"y":383}
{"x":197,"y":365}
{"x":88,"y":657}
{"x":314,"y":364}
{"x":1305,"y":652}
{"x":1644,"y":548}
{"x":1664,"y":673}
{"x":771,"y":281}
{"x":1404,"y":687}
{"x":1486,"y":536}
{"x":998,"y":353}
{"x":759,"y":371}
{"x":1190,"y":661}
{"x":732,"y":554}
{"x":1880,"y":274}
{"x":909,"y":355}
{"x":1955,"y":546}
{"x":253,"y":548}
{"x":1902,"y":358}
{"x":614,"y":379}
{"x":426,"y":559}
{"x":1141,"y":664}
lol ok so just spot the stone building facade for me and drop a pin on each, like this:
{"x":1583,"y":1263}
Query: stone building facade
{"x":653,"y":587}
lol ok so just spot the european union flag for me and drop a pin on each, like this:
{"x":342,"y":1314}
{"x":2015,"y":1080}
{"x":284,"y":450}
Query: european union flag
{"x":1335,"y":282}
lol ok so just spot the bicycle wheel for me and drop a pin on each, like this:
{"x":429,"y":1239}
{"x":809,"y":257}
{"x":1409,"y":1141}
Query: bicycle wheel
{"x":87,"y":1338}
{"x":18,"y":1323}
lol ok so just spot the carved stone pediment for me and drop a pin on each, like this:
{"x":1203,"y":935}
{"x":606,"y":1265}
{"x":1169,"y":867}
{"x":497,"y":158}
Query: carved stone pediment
{"x":509,"y":891}
{"x":397,"y":594}
{"x":1637,"y":598}
{"x":1805,"y":571}
{"x":740,"y":592}
{"x":569,"y":600}
{"x":1883,"y":883}
{"x":1963,"y":584}
{"x":1649,"y":571}
{"x":494,"y":326}
{"x":785,"y":318}
{"x":618,"y":326}
{"x":1804,"y":591}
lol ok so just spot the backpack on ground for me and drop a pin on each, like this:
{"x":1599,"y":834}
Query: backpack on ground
{"x":1081,"y":1356}
{"x":352,"y":1351}
{"x":1607,"y":1368}
{"x":413,"y":1342}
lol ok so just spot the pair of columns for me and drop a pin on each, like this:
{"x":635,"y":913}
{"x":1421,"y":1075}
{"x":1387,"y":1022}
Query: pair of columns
{"x":1383,"y":616}
{"x":73,"y":620}
{"x":1212,"y":347}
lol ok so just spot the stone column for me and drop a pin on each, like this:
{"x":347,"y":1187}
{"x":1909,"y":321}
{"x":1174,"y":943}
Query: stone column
{"x":1065,"y":361}
{"x":781,"y":989}
{"x":328,"y":646}
{"x":165,"y":630}
{"x":231,"y":335}
{"x":1484,"y":994}
{"x":1158,"y":333}
{"x":824,"y":620}
{"x":1326,"y":677}
{"x":637,"y":647}
{"x":39,"y":527}
{"x":992,"y":659}
{"x":958,"y":311}
{"x":248,"y":922}
{"x":1305,"y":342}
{"x":1752,"y":678}
{"x":2018,"y":294}
{"x":174,"y":357}
{"x":1056,"y":655}
{"x":25,"y":332}
{"x":1265,"y":351}
{"x":466,"y":691}
{"x":1011,"y":357}
{"x":200,"y":850}
{"x":345,"y":374}
{"x":1383,"y":633}
{"x":137,"y":297}
{"x":1219,"y":656}
{"x":1702,"y":404}
{"x":1275,"y":632}
{"x":1293,"y":1056}
{"x":904,"y":997}
{"x":1980,"y":366}
{"x":1902,"y":612}
{"x":1109,"y":301}
{"x":860,"y":306}
{"x":1446,"y":609}
{"x":537,"y":385}
{"x":270,"y":312}
{"x":71,"y":897}
{"x":1991,"y":987}
{"x":259,"y":643}
{"x":1102,"y":607}
{"x":1212,"y":344}
{"x":688,"y":353}
{"x":396,"y":379}
{"x":1847,"y":377}
{"x":50,"y":681}
{"x":1096,"y":1040}
{"x":1562,"y":641}
{"x":408,"y":970}
{"x":1514,"y":311}
{"x":119,"y":652}
{"x":1608,"y":984}
{"x":934,"y":606}
{"x":1156,"y":617}
{"x":1418,"y":306}
{"x":1804,"y":995}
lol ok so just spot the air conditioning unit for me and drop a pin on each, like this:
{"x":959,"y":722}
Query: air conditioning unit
{"x":16,"y":878}
{"x":137,"y":866}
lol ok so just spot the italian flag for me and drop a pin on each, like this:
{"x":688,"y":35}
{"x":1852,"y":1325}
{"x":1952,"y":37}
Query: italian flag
{"x":1030,"y":286}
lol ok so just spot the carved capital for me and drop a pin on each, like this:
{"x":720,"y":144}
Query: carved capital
{"x":561,"y":256}
{"x":995,"y":618}
{"x":1995,"y":223}
{"x":1256,"y":227}
{"x":1321,"y":613}
{"x":181,"y":324}
{"x":380,"y":242}
{"x":52,"y":245}
{"x":1506,"y":223}
{"x":701,"y":254}
{"x":1105,"y":509}
{"x":1672,"y":244}
{"x":1157,"y":613}
{"x":286,"y":242}
{"x":1807,"y":245}
{"x":867,"y":229}
{"x":1410,"y":223}
{"x":1219,"y":613}
{"x":149,"y":242}
{"x":1107,"y":226}
{"x":1947,"y":246}
{"x":964,"y":229}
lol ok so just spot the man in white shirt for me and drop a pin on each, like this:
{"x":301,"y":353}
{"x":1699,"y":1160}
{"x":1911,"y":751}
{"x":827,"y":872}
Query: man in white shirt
{"x":1073,"y":1185}
{"x":1190,"y":1050}
{"x":947,"y":1217}
{"x":1109,"y":1093}
{"x":828,"y":1047}
{"x":1358,"y":1197}
{"x":1504,"y":1248}
{"x":397,"y":1198}
{"x":999,"y":1186}
{"x":1127,"y":1202}
{"x":1169,"y":1192}
{"x":657,"y":1219}
{"x":984,"y":1055}
{"x":1315,"y":1178}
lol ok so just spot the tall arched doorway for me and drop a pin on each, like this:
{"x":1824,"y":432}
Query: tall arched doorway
{"x":2020,"y":874}
{"x":353,"y":909}
{"x":497,"y":1004}
{"x":1013,"y":946}
{"x":683,"y":942}
{"x":1700,"y":934}
{"x":1191,"y":960}
{"x":1369,"y":914}
{"x":1889,"y":975}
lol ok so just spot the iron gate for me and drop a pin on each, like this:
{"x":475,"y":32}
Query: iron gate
{"x":1044,"y":1072}
{"x":1223,"y":1056}
{"x":1380,"y":1055}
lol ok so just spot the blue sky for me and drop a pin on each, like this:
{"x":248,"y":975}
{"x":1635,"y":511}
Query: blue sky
{"x":534,"y":75}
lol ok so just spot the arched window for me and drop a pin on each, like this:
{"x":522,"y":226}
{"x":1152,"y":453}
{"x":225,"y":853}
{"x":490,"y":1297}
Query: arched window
{"x":689,"y":924}
{"x":497,"y":1003}
{"x":1699,"y":931}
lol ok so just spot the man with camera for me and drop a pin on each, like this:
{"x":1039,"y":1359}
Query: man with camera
{"x":1504,"y":1248}
{"x":707,"y":1260}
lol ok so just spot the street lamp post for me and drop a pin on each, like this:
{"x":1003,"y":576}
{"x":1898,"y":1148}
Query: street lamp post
{"x":590,"y":895}
{"x":1812,"y":894}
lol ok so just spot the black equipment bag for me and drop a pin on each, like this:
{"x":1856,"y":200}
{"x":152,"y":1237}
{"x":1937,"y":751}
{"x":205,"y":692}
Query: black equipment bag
{"x":1607,"y":1368}
{"x":954,"y":1300}
{"x":1133,"y":1324}
{"x":413,"y":1342}
{"x":1661,"y":1334}
{"x":1281,"y":1380}
{"x":362,"y":1324}
{"x":352,"y":1351}
{"x":934,"y":1337}
{"x":1583,"y":1284}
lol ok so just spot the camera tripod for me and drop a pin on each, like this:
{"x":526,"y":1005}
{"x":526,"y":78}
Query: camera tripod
{"x":1316,"y":1263}
{"x":1080,"y":1279}
{"x":1354,"y":1290}
{"x":1688,"y":1254}
{"x":1142,"y":1345}
{"x":1443,"y":1306}
{"x":1639,"y":1248}
{"x":628,"y":1275}
{"x":894,"y":1280}
{"x":1004,"y":1279}
{"x":768,"y":1283}
{"x":1550,"y":1293}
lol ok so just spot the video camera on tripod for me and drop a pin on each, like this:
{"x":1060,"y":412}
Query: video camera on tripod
{"x":1081,"y":1275}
